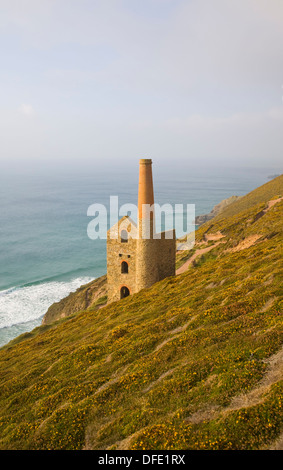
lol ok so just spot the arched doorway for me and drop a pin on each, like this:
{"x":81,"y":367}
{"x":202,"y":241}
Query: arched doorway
{"x":124,"y":292}
{"x":124,"y":267}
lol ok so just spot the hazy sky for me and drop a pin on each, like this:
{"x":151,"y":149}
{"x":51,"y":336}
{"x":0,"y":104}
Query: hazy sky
{"x":107,"y":81}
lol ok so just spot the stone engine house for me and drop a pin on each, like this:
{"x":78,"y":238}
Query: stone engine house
{"x":137,"y":256}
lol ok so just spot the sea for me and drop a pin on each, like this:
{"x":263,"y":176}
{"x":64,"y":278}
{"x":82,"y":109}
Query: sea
{"x":45,"y":248}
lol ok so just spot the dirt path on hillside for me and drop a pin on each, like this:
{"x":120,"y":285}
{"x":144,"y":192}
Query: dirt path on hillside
{"x":213,"y":236}
{"x":272,"y":203}
{"x":246,"y":243}
{"x":201,"y":251}
{"x":273,"y":374}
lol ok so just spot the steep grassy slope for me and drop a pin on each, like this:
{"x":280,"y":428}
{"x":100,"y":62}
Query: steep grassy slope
{"x":196,"y":361}
{"x":261,"y":195}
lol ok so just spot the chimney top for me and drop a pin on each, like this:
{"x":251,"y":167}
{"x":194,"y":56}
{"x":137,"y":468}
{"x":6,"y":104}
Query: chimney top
{"x":145,"y":195}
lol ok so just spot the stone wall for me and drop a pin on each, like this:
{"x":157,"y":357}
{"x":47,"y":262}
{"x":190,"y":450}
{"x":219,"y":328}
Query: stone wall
{"x":148,"y":261}
{"x":147,"y":272}
{"x":118,"y":252}
{"x":166,"y":256}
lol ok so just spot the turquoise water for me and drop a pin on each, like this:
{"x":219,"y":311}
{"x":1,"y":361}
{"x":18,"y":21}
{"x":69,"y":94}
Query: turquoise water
{"x":45,"y":252}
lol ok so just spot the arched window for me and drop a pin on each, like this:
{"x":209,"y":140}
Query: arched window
{"x":124,"y":267}
{"x":124,"y":236}
{"x":124,"y":292}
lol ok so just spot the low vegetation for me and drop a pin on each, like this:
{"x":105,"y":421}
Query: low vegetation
{"x":194,"y":362}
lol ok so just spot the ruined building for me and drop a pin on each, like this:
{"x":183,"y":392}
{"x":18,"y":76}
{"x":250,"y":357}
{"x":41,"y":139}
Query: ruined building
{"x":137,"y":256}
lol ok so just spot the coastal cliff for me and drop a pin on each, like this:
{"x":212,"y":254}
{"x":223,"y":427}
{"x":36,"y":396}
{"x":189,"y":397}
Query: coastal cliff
{"x":88,"y":296}
{"x":193,"y":362}
{"x":201,"y":219}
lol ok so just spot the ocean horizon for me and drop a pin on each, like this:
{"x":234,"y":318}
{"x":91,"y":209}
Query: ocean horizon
{"x":45,"y":252}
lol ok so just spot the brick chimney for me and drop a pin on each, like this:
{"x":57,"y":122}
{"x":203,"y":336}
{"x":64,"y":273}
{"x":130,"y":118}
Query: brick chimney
{"x":145,"y":197}
{"x":147,"y":247}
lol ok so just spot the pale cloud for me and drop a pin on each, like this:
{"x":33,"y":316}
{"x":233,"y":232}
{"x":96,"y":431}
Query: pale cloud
{"x":26,"y":110}
{"x":228,"y":43}
{"x":115,"y":78}
{"x":237,"y":43}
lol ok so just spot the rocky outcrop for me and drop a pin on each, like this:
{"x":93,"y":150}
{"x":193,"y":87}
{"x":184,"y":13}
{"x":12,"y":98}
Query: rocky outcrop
{"x":91,"y":295}
{"x":201,"y":219}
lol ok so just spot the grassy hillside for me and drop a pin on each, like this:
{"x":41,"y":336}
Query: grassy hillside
{"x":261,"y":195}
{"x":195,"y":362}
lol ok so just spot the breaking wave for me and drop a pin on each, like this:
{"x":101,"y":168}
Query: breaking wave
{"x":28,"y":303}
